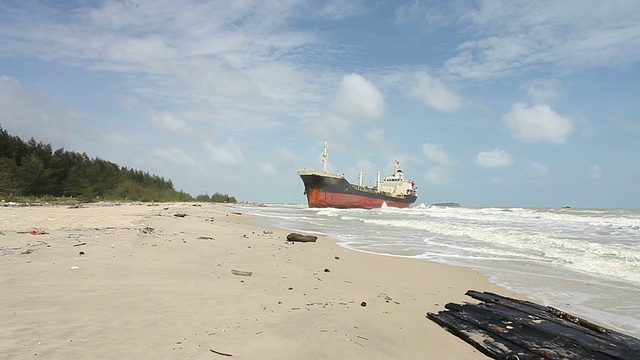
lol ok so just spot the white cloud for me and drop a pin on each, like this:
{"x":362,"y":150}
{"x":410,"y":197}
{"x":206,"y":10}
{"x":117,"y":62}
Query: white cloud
{"x":430,"y":15}
{"x":595,"y":172}
{"x":285,"y":156}
{"x":358,"y":98}
{"x":377,"y":138}
{"x":28,"y":114}
{"x":434,"y":93}
{"x":339,"y":9}
{"x":266,"y":168}
{"x":174,"y":156}
{"x":538,"y":170}
{"x":512,"y":36}
{"x":165,"y":120}
{"x":542,"y":91}
{"x":438,"y":176}
{"x":229,"y":153}
{"x":538,"y":123}
{"x":437,"y":154}
{"x":494,"y":159}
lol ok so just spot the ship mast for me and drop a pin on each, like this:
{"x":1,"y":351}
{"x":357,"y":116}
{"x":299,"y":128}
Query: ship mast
{"x":324,"y":157}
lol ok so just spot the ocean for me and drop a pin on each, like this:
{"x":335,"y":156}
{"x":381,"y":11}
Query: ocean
{"x":583,"y":261}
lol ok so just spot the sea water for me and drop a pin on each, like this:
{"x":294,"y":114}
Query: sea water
{"x":583,"y":261}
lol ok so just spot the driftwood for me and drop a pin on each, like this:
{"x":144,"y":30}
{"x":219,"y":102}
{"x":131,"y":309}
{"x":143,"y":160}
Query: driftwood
{"x":241,"y":272}
{"x":506,"y":328}
{"x":301,"y":238}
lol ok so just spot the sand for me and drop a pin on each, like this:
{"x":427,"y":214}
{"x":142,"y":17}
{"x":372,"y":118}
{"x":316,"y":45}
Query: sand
{"x":153,"y":285}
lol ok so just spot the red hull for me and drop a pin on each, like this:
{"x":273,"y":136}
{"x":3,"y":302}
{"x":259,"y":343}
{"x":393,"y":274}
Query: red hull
{"x":317,"y":198}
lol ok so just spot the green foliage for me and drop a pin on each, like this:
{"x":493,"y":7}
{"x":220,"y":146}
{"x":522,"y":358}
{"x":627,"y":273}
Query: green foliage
{"x":33,"y":170}
{"x":217,"y":197}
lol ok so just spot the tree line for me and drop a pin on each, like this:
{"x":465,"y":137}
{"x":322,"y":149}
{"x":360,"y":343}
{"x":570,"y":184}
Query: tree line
{"x":34,"y":169}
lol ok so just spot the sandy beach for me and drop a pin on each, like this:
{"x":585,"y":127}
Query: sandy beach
{"x":135,"y":281}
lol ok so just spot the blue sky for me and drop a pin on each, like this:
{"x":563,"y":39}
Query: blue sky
{"x":485,"y":103}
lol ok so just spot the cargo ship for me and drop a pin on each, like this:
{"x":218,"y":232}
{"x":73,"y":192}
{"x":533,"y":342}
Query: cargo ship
{"x":325,"y":189}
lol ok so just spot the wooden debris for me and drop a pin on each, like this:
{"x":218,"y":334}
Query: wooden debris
{"x":219,"y":353}
{"x":301,"y":238}
{"x":180,"y":215}
{"x":241,"y":272}
{"x":147,"y":230}
{"x":84,"y":243}
{"x":506,"y":328}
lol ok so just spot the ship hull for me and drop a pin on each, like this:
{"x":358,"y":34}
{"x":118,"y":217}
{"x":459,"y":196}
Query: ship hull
{"x":323,"y":191}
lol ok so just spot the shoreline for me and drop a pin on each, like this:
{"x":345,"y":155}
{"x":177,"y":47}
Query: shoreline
{"x":151,"y":284}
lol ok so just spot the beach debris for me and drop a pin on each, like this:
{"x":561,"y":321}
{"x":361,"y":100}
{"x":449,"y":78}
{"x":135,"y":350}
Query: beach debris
{"x":27,"y":252}
{"x":241,"y":272}
{"x":36,"y":232}
{"x":236,"y":213}
{"x":77,"y":206}
{"x":220,"y":353}
{"x":74,"y":267}
{"x":337,"y":257}
{"x":181,"y":215}
{"x":84,"y":243}
{"x":301,"y":237}
{"x":363,"y":304}
{"x":147,"y":230}
{"x":327,"y":270}
{"x":386,"y":297}
{"x":508,"y":328}
{"x":205,"y":237}
{"x":267,"y":232}
{"x":81,"y":253}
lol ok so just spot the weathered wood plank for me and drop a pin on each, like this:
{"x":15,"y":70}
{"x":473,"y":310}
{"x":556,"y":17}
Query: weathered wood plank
{"x":612,"y":336}
{"x":500,"y":322}
{"x":489,"y":344}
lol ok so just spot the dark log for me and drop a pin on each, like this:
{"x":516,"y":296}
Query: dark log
{"x":543,"y":312}
{"x":487,"y":343}
{"x":301,"y":238}
{"x":508,"y":325}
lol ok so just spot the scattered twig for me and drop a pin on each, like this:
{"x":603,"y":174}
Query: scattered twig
{"x":84,"y":243}
{"x":219,"y":353}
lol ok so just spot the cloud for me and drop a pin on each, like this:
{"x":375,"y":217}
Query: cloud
{"x":538,"y":123}
{"x":538,"y":170}
{"x":430,"y":15}
{"x":285,"y":156}
{"x":595,"y":172}
{"x":438,"y":176}
{"x":228,"y":62}
{"x":266,"y":167}
{"x":339,"y":9}
{"x":165,"y":120}
{"x":544,"y":90}
{"x":494,"y":159}
{"x":28,"y":114}
{"x":229,"y":153}
{"x":377,"y":138}
{"x":513,"y":37}
{"x":434,"y":93}
{"x":358,"y":98}
{"x":436,"y":153}
{"x":174,"y":156}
